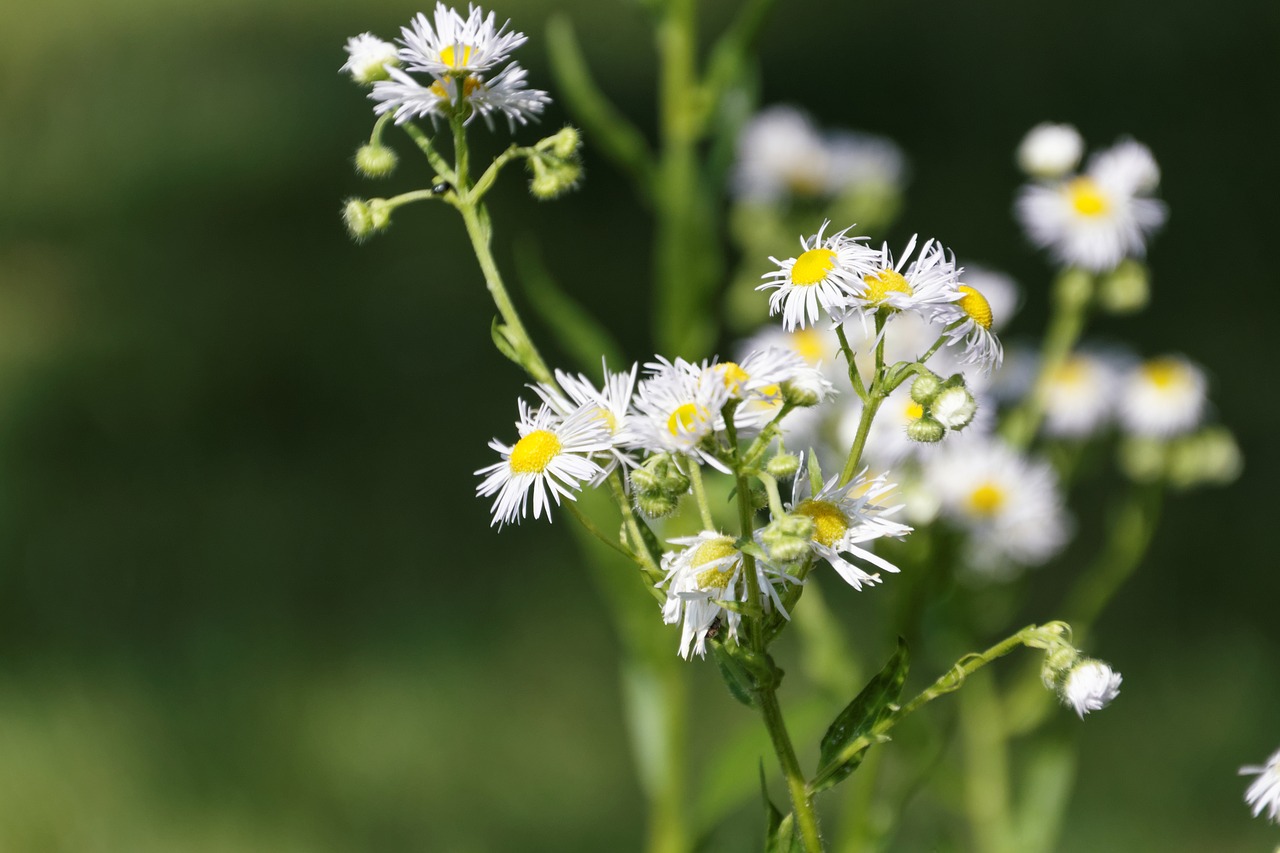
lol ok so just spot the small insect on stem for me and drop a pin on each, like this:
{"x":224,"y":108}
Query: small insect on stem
{"x":442,"y":188}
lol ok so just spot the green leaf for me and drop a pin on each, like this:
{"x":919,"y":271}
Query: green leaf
{"x":503,"y":342}
{"x":582,"y":336}
{"x":815,"y":473}
{"x":772,"y":817}
{"x":735,"y":675}
{"x":859,"y":717}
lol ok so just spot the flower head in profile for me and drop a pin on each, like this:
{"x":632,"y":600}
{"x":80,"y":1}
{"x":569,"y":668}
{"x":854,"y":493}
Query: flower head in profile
{"x":921,"y":283}
{"x":368,"y":58}
{"x":820,"y":280}
{"x":764,"y":379}
{"x":1163,"y":397}
{"x":551,"y":460}
{"x":1090,"y":685}
{"x":969,"y":320}
{"x":1097,"y":218}
{"x":1264,"y":792}
{"x":1079,"y":396}
{"x":459,"y":54}
{"x":844,"y":519}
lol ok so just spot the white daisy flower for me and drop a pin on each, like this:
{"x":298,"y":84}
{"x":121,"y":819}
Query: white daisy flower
{"x":846,"y":516}
{"x":504,"y":94}
{"x":552,"y":458}
{"x":456,"y":46}
{"x":1000,"y":290}
{"x":1264,"y":792}
{"x":1008,"y":504}
{"x":1050,"y":150}
{"x":863,"y":160}
{"x":969,"y":320}
{"x":1079,"y":396}
{"x":368,"y":58}
{"x":821,"y":279}
{"x":932,"y":279}
{"x":1091,"y":685}
{"x":1096,"y":219}
{"x":1163,"y":397}
{"x":676,"y":408}
{"x":611,"y":404}
{"x":780,"y":153}
{"x":706,"y":572}
{"x":758,"y":379}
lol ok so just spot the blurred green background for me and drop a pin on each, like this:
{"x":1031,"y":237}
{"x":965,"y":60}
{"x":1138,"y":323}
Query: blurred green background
{"x":247,"y":599}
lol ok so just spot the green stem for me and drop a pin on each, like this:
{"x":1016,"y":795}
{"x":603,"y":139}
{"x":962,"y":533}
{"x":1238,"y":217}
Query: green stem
{"x":700,"y":495}
{"x":591,"y":528}
{"x":986,"y":766}
{"x":433,"y":157}
{"x":486,"y":180}
{"x":855,"y":378}
{"x":643,"y":546}
{"x":771,"y":488}
{"x":479,"y":234}
{"x":1072,"y":293}
{"x":871,"y":404}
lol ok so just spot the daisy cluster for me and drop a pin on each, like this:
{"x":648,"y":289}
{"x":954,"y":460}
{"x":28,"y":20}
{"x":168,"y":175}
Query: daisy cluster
{"x":659,"y":428}
{"x":463,"y":63}
{"x":1095,"y":218}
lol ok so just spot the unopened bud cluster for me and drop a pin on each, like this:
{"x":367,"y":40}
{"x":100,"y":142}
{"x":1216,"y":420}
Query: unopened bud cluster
{"x":788,"y":538}
{"x":364,"y":218}
{"x":945,"y":405}
{"x":555,"y":164}
{"x":1082,"y":683}
{"x":657,"y":485}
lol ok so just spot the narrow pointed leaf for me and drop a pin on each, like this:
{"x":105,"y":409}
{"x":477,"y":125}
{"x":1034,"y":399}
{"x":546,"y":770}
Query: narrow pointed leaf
{"x":860,"y":716}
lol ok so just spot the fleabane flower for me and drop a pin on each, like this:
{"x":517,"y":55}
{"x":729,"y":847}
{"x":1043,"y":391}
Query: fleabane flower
{"x":368,"y":58}
{"x":1050,"y":150}
{"x":611,"y":404}
{"x":969,"y":320}
{"x":1162,"y":397}
{"x":844,"y":518}
{"x":1264,"y":792}
{"x":780,"y":153}
{"x":921,"y":285}
{"x":551,"y":459}
{"x":1008,"y":504}
{"x":1090,"y":685}
{"x":820,"y":280}
{"x":1079,"y":396}
{"x":707,"y":571}
{"x":764,"y":379}
{"x":1098,"y":218}
{"x":456,"y":45}
{"x":677,"y":408}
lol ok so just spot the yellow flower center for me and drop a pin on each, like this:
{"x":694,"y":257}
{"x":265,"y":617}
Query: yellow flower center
{"x":1086,"y":197}
{"x":469,"y":85}
{"x":808,"y":343}
{"x":1073,"y":371}
{"x":610,"y":422}
{"x":829,"y":523}
{"x":449,"y":57}
{"x":709,"y":552}
{"x":914,"y":411}
{"x":533,"y":453}
{"x":976,"y":306}
{"x":1163,"y":373}
{"x":986,"y":499}
{"x":812,"y":267}
{"x":733,"y":376}
{"x":684,"y":418}
{"x":881,"y":284}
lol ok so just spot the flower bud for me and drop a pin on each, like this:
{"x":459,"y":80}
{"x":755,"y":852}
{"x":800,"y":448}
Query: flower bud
{"x":368,"y":58}
{"x":1091,"y":685}
{"x":954,"y":407}
{"x":926,"y":430}
{"x":1125,"y":289}
{"x":782,"y":466}
{"x":1050,"y":150}
{"x":564,"y":144}
{"x":1143,"y":460}
{"x":925,"y":388}
{"x":366,"y":218}
{"x":1210,"y":456}
{"x":656,"y":504}
{"x":788,"y":538}
{"x":1074,"y":287}
{"x":552,"y":178}
{"x":376,"y":161}
{"x":807,"y":388}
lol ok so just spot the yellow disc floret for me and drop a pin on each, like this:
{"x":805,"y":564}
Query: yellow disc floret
{"x":1087,"y":197}
{"x":709,"y":552}
{"x":533,"y":453}
{"x":1074,"y":371}
{"x":449,"y":57}
{"x":684,"y":418}
{"x":808,"y":343}
{"x":976,"y":306}
{"x":812,"y":267}
{"x":881,"y":284}
{"x":829,"y":522}
{"x":469,"y":85}
{"x":1164,"y":373}
{"x":986,"y":499}
{"x":733,"y":376}
{"x":915,"y":411}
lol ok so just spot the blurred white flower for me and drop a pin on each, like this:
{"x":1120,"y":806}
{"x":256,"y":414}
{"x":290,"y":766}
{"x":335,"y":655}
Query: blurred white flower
{"x":368,"y":57}
{"x":1163,"y":397}
{"x":1050,"y":150}
{"x":1091,"y":685}
{"x":1264,"y":792}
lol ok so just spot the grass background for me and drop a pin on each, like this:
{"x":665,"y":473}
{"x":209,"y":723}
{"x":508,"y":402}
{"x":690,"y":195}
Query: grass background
{"x":247,"y":600}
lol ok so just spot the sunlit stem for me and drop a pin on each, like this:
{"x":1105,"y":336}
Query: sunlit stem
{"x":640,"y":545}
{"x":771,"y":488}
{"x":700,"y":495}
{"x":591,"y":528}
{"x":486,"y":180}
{"x":375,"y":137}
{"x":871,"y":405}
{"x":941,"y":341}
{"x":855,"y":378}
